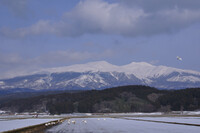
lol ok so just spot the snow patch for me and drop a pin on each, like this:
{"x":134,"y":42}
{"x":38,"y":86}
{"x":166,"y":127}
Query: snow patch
{"x":7,"y":124}
{"x":2,"y":83}
{"x":40,"y":81}
{"x":184,"y":79}
{"x":2,"y":112}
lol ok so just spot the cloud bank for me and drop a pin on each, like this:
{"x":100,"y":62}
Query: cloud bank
{"x":20,"y":65}
{"x":124,"y":17}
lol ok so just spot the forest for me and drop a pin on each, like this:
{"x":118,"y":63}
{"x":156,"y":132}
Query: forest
{"x":133,"y":98}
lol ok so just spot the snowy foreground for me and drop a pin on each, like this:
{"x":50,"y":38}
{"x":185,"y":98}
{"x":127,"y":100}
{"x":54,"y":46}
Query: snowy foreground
{"x":10,"y":124}
{"x":156,"y":122}
{"x":123,"y":125}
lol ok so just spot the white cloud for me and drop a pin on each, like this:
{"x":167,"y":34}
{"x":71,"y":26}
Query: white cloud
{"x":100,"y":17}
{"x":14,"y":65}
{"x":9,"y":59}
{"x":58,"y":58}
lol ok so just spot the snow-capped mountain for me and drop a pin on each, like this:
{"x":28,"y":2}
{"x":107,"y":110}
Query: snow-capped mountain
{"x":100,"y":75}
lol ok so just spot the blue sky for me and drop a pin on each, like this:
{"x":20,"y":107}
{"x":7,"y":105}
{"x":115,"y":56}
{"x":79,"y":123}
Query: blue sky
{"x":38,"y":34}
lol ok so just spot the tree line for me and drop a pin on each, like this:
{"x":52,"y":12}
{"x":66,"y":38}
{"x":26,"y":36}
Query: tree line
{"x":133,"y":98}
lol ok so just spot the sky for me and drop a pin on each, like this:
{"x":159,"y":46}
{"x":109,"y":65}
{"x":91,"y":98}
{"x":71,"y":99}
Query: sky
{"x":36,"y":34}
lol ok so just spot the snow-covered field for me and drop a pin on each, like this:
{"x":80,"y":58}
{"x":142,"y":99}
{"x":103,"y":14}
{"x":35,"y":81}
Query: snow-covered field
{"x":124,"y":123}
{"x":10,"y":124}
{"x":189,"y":120}
{"x":120,"y":125}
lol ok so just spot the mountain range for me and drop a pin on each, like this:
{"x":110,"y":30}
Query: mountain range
{"x":101,"y":75}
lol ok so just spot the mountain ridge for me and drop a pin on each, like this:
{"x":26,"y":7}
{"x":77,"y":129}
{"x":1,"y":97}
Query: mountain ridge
{"x":101,"y":74}
{"x":108,"y":67}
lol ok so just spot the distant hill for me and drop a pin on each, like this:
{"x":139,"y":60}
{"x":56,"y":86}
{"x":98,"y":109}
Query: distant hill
{"x":119,"y":99}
